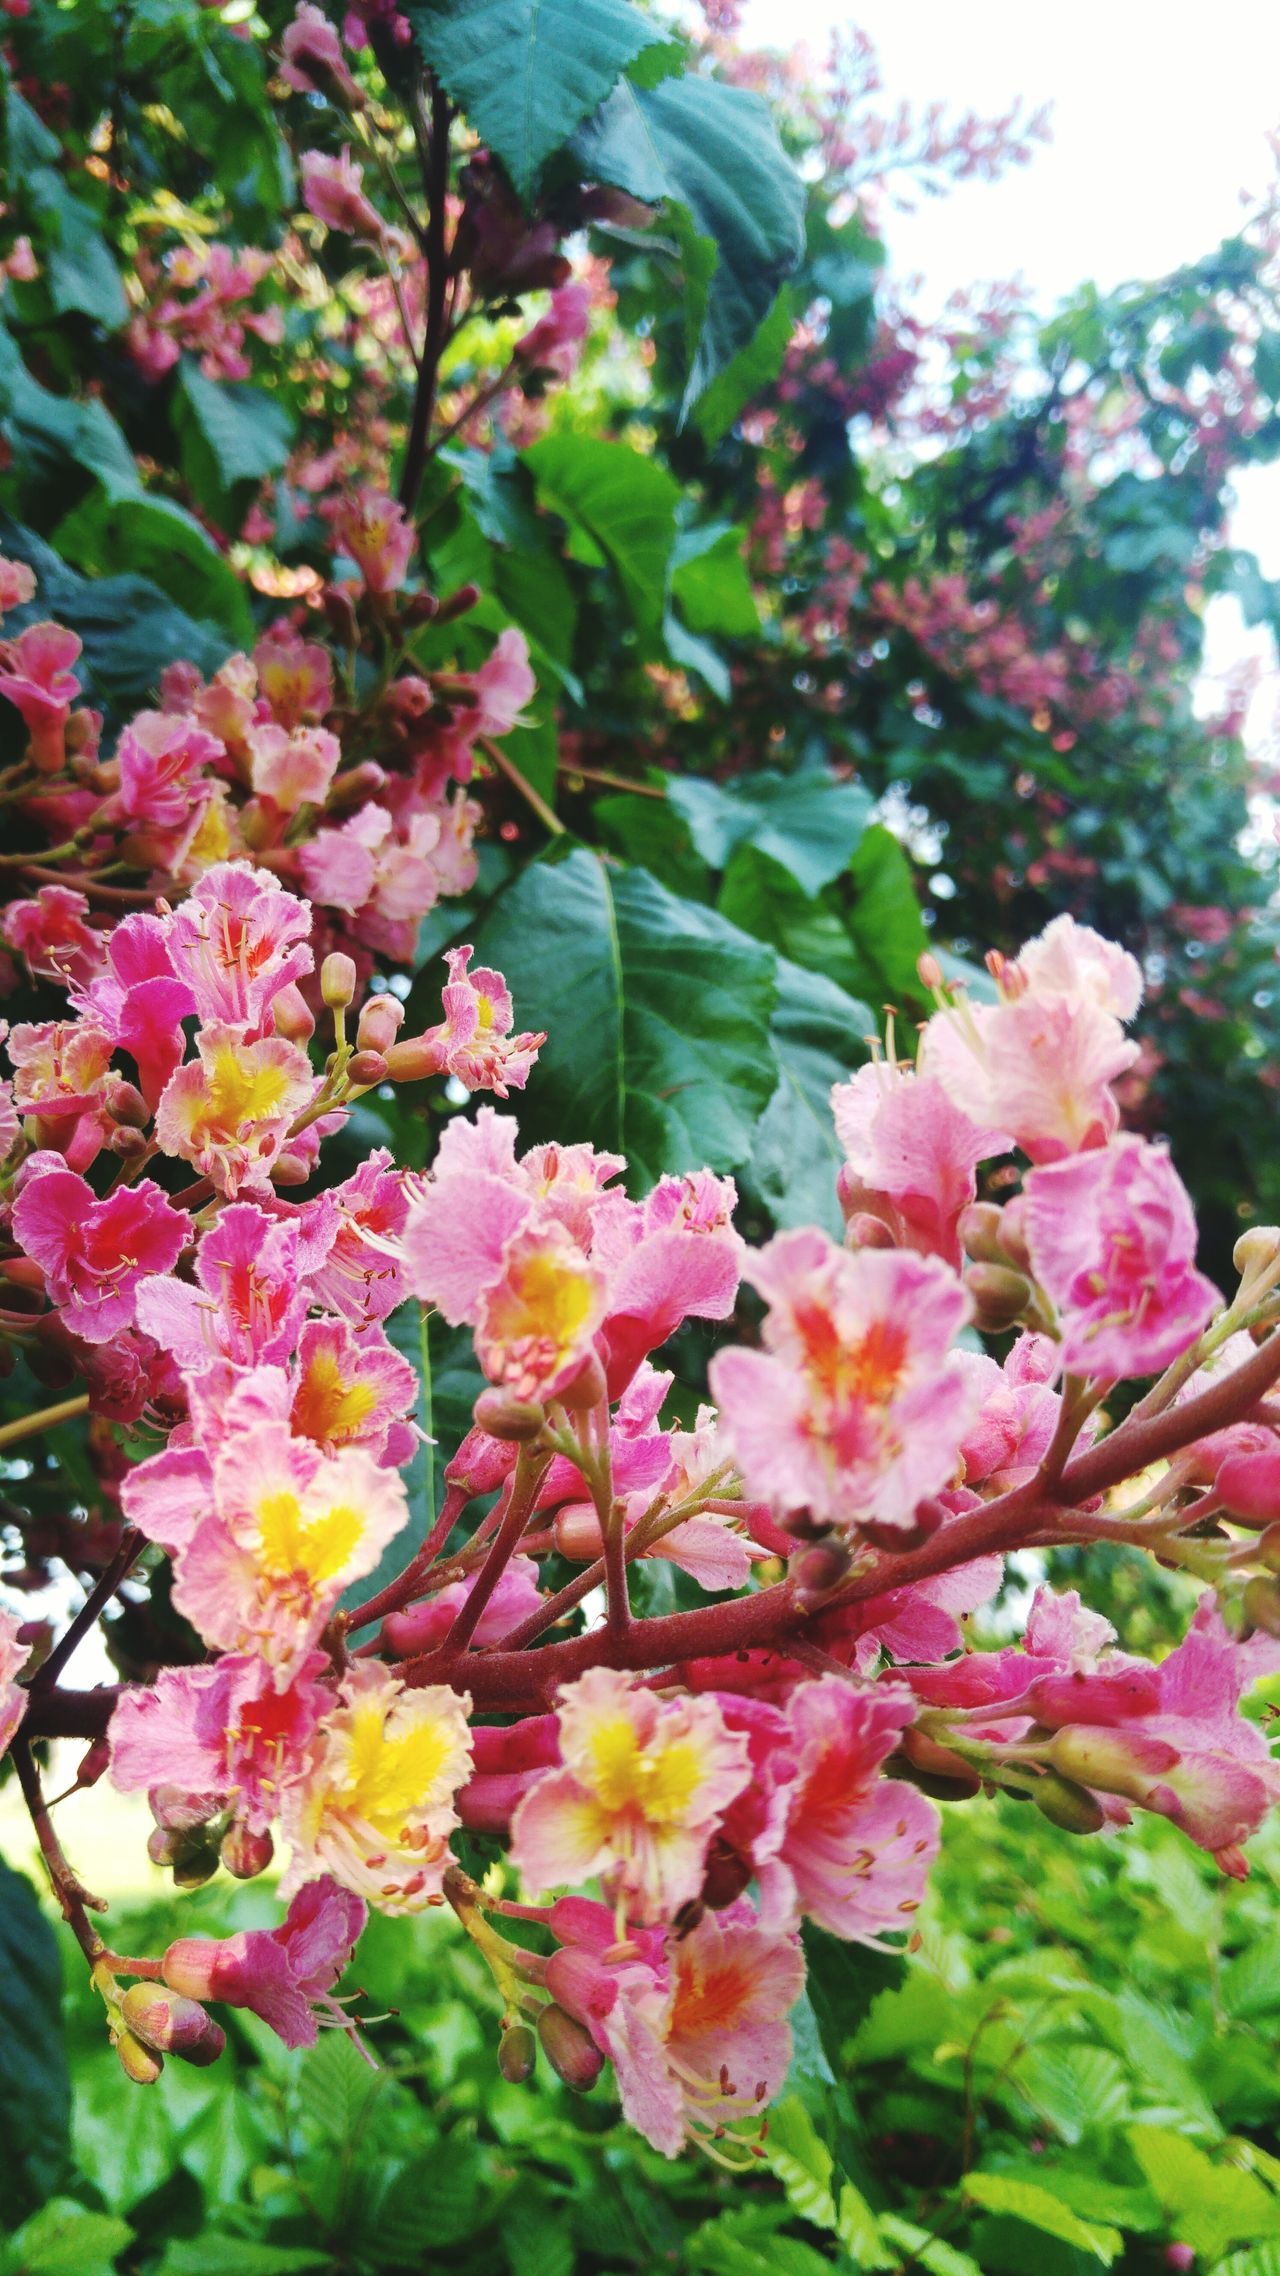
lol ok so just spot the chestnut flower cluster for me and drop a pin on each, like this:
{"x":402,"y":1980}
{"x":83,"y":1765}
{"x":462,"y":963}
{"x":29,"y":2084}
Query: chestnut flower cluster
{"x":271,"y":760}
{"x":672,"y":1796}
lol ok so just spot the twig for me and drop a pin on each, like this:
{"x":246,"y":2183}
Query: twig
{"x":75,"y":1900}
{"x":100,"y":1595}
{"x":435,"y":157}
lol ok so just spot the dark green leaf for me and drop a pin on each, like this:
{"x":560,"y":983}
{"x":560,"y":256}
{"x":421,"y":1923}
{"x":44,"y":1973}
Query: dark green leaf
{"x":232,"y":436}
{"x":710,"y":585}
{"x":809,"y":822}
{"x":713,"y":150}
{"x":35,"y":2092}
{"x":625,"y":503}
{"x":816,"y":1033}
{"x":656,"y":1014}
{"x":527,"y":72}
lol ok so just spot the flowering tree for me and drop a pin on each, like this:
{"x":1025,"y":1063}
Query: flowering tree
{"x":656,"y":1693}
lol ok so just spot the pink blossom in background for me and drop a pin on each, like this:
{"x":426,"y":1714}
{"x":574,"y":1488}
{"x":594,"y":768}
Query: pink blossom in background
{"x":333,"y":190}
{"x":313,"y":60}
{"x":1112,"y":1237}
{"x":912,"y":1155}
{"x":17,"y":582}
{"x":375,"y":531}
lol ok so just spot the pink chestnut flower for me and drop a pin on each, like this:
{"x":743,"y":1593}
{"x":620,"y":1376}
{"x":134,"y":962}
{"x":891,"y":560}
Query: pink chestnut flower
{"x":1112,"y":1237}
{"x":284,"y":1975}
{"x":313,"y":61}
{"x":17,"y":582}
{"x":856,"y":1407}
{"x":912,"y":1154}
{"x":333,"y":190}
{"x":380,"y":539}
{"x":36,"y":677}
{"x":94,"y":1254}
{"x":13,"y":1658}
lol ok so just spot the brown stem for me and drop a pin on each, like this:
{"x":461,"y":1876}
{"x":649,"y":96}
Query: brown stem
{"x":435,"y":157}
{"x":402,"y":1589}
{"x":44,"y":1419}
{"x":549,"y":819}
{"x":72,"y":1896}
{"x":100,"y":1595}
{"x":530,"y":1470}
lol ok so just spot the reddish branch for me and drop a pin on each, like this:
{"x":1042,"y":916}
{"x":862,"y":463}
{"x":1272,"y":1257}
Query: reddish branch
{"x":515,"y":1682}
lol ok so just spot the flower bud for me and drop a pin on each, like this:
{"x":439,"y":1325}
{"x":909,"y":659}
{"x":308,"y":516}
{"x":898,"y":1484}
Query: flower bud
{"x":517,"y":2054}
{"x":337,"y":981}
{"x":457,"y":603}
{"x":513,"y":1420}
{"x":179,"y":1811}
{"x":292,"y":1015}
{"x":819,"y":1567}
{"x":1013,"y":1236}
{"x":999,"y":1295}
{"x":172,"y":2024}
{"x":577,"y":1533}
{"x":940,"y":1772}
{"x":1257,"y":1250}
{"x":581,"y":1984}
{"x":414,"y":1060}
{"x":365,"y":1068}
{"x":1066,"y":1805}
{"x":1117,"y":1762}
{"x":925,"y":1519}
{"x":381,"y":1020}
{"x":340,"y":615}
{"x":291,"y":1169}
{"x":864,"y":1231}
{"x":929,"y":971}
{"x":979,"y":1229}
{"x":126,"y":1143}
{"x":588,"y":1388}
{"x":1269,"y":1548}
{"x":571,"y":2051}
{"x":139,"y":2063}
{"x":125,"y":1103}
{"x":1261,"y":1604}
{"x":725,"y":1876}
{"x":190,"y":1966}
{"x":245,"y":1854}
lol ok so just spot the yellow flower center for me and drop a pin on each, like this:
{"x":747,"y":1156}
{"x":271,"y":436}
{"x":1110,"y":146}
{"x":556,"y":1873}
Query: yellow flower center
{"x":661,"y":1784}
{"x":317,"y":1547}
{"x":328,"y":1408}
{"x":240,"y":1092}
{"x":392,"y":1773}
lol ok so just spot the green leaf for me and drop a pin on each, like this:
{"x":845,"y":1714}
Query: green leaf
{"x":931,"y":2252}
{"x":231,"y":436}
{"x":843,"y":1982}
{"x":816,"y":1033}
{"x":761,"y":896}
{"x":35,"y":2092}
{"x":1027,"y":2201}
{"x":215,"y":2254}
{"x":62,"y":2239}
{"x":536,"y":2237}
{"x":805,"y":2167}
{"x":709,"y":582}
{"x":161,"y":541}
{"x":1259,"y":2260}
{"x":884,"y":918}
{"x":527,"y":72}
{"x":1209,"y":2206}
{"x":130,"y":629}
{"x":808,"y":822}
{"x":656,"y":1012}
{"x":754,"y":368}
{"x":79,"y":267}
{"x":335,"y":2085}
{"x":624,"y":502}
{"x":713,"y":150}
{"x":1251,"y":1981}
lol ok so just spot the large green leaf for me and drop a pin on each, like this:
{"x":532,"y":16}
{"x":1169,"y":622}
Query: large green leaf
{"x":713,"y":151}
{"x":527,"y":72}
{"x":63,"y":2239}
{"x":231,"y":436}
{"x":130,"y":629}
{"x":656,"y":1011}
{"x":79,"y":268}
{"x":816,"y":1032}
{"x":1209,"y":2206}
{"x":162,"y":541}
{"x":624,"y":502}
{"x":808,"y":822}
{"x":709,"y":581}
{"x":35,"y":2091}
{"x":884,"y":918}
